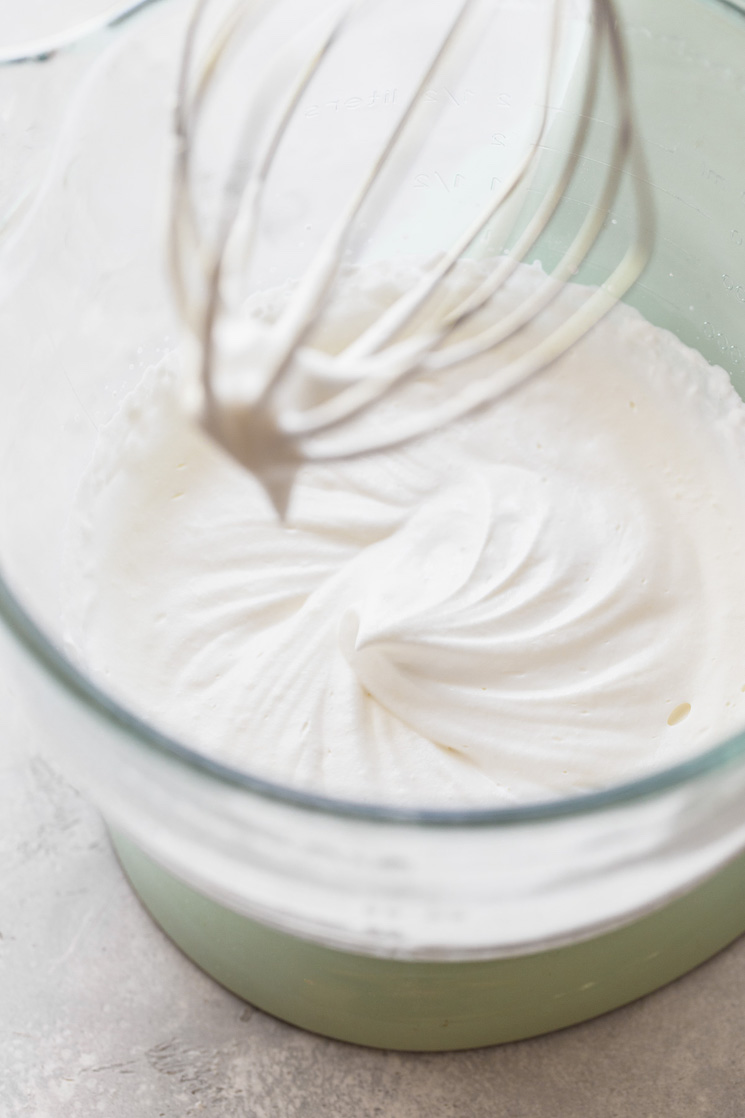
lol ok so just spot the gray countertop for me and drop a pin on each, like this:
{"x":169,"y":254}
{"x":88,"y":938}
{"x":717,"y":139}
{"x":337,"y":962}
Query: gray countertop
{"x":101,"y":1015}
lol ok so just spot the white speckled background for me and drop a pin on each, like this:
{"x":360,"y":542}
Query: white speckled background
{"x":100,"y":1015}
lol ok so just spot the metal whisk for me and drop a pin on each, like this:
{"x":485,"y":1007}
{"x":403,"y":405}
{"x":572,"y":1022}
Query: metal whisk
{"x":247,"y":410}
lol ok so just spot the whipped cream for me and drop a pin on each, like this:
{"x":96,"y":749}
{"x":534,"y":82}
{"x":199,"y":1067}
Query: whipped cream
{"x":541,"y":600}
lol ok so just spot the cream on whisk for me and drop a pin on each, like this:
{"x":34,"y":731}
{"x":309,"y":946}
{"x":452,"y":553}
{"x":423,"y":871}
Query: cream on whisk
{"x":541,"y":600}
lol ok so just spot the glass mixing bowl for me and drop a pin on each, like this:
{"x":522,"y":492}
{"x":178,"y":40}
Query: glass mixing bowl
{"x":399,"y":928}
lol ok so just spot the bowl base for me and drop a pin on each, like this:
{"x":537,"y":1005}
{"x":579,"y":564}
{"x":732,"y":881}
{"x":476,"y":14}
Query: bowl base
{"x":430,"y":1006}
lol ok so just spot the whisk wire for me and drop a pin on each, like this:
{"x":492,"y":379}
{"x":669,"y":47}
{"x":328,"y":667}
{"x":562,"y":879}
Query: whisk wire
{"x":379,"y":381}
{"x":302,"y":311}
{"x":383,"y":358}
{"x":519,"y":371}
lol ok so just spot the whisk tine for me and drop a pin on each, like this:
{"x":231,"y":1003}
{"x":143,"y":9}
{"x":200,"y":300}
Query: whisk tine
{"x":401,"y":312}
{"x":382,"y":358}
{"x":185,"y":234}
{"x":247,"y":186}
{"x":518,"y":372}
{"x":569,"y":262}
{"x":245,"y":180}
{"x":354,"y":400}
{"x":246,"y":177}
{"x":586,"y":235}
{"x":303,"y":309}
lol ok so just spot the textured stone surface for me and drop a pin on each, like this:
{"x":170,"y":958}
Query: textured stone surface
{"x":100,"y":1015}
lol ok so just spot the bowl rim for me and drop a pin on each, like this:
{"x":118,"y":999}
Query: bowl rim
{"x":77,"y":686}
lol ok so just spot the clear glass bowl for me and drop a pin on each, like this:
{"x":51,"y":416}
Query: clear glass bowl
{"x":402,"y":928}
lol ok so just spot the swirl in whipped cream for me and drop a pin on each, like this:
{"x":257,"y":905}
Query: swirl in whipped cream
{"x":520,"y":607}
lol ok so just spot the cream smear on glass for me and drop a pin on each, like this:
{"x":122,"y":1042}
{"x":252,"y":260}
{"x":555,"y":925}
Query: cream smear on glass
{"x":538,"y":601}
